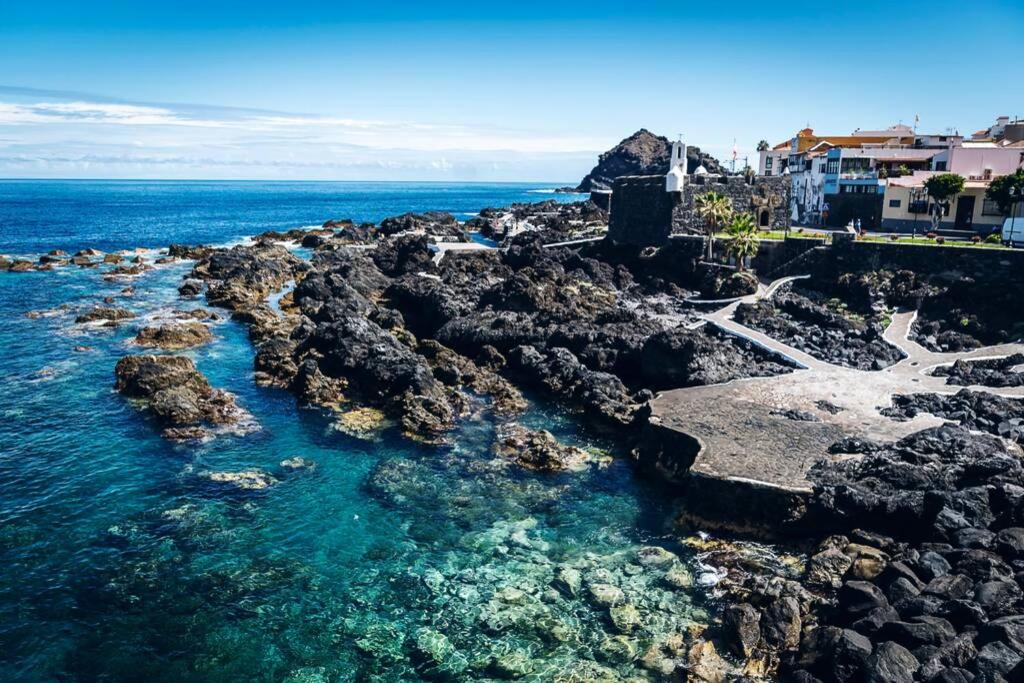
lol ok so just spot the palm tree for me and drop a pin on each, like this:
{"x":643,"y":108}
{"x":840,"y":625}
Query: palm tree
{"x":762,"y":146}
{"x":715,"y":209}
{"x":744,"y":242}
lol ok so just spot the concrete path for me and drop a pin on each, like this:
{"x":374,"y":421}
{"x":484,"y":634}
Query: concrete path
{"x":570,"y":243}
{"x":442,"y":248}
{"x":742,"y":430}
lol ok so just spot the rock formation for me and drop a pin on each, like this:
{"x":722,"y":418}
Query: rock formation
{"x":178,"y":395}
{"x":642,"y":153}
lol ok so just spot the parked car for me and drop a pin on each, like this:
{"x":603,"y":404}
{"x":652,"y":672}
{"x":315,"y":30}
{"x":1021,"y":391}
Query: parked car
{"x":1013,"y":232}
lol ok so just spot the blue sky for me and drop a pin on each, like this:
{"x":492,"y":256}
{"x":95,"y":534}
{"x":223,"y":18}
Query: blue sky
{"x":474,"y":91}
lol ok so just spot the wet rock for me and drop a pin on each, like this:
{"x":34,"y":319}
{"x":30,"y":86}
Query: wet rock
{"x":20,"y":266}
{"x":601,"y":395}
{"x":105,"y":315}
{"x":868,"y":562}
{"x":891,"y":663}
{"x":998,"y":598}
{"x":922,"y":630}
{"x":741,"y":625}
{"x":781,"y":624}
{"x":176,"y":393}
{"x":191,"y":287}
{"x":836,"y":654}
{"x":995,"y":660}
{"x":538,"y":450}
{"x":1010,"y":543}
{"x":857,"y":598}
{"x":949,"y":587}
{"x":955,"y":653}
{"x":175,"y":336}
{"x":243,"y":276}
{"x":828,"y":567}
{"x":460,"y":372}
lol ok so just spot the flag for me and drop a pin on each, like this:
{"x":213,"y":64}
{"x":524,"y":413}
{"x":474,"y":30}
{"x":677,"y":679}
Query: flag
{"x":735,"y":152}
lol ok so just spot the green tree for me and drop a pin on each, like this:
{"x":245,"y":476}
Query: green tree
{"x":714,"y":209}
{"x":942,"y":188}
{"x":762,"y":146}
{"x":1000,"y":189}
{"x":744,"y":242}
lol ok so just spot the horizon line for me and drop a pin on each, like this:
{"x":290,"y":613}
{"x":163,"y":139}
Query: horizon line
{"x":297,"y":180}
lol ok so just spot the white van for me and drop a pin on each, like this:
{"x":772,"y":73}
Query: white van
{"x":1013,"y":232}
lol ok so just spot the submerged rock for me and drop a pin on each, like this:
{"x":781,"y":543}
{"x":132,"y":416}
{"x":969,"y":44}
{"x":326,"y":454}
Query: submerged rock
{"x":108,"y":316}
{"x":539,"y":450}
{"x":245,"y":480}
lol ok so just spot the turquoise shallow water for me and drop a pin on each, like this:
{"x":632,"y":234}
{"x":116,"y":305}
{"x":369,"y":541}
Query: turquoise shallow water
{"x":386,"y":561}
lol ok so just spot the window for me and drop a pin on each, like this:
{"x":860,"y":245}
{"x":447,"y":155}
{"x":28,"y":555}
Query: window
{"x":768,"y":162}
{"x":894,"y":203}
{"x":990,"y":208}
{"x":940,"y":165}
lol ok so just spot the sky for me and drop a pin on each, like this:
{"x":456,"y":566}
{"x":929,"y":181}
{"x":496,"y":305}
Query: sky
{"x":523,"y":91}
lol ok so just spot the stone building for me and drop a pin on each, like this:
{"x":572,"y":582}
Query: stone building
{"x":646,"y":210}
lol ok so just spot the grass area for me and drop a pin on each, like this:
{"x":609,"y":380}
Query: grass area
{"x":779,"y":235}
{"x":929,"y":242}
{"x":921,"y":240}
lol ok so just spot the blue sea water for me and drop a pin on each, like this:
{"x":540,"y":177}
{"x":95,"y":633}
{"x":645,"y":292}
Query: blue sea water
{"x":387,"y":561}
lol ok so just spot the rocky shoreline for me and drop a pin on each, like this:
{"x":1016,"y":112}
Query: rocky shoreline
{"x":914,"y":565}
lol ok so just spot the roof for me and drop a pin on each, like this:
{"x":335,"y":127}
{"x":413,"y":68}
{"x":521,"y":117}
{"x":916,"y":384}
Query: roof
{"x":892,"y":154}
{"x":919,"y":177}
{"x":891,"y":131}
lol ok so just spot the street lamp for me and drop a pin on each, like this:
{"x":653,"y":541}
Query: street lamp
{"x":1015,"y":198}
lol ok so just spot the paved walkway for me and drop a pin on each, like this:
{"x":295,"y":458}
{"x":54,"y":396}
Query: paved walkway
{"x":746,"y":437}
{"x":442,"y":248}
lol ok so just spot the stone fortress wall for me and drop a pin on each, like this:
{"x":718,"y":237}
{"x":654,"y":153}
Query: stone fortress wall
{"x":642,"y":213}
{"x":766,"y":198}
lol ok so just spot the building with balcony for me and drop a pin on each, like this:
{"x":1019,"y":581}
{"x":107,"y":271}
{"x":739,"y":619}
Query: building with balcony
{"x":898,"y":149}
{"x":907,"y":208}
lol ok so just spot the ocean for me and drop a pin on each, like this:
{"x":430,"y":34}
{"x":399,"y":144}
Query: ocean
{"x":387,"y":561}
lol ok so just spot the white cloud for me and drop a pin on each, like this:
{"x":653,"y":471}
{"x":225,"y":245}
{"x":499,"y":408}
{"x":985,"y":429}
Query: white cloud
{"x":100,"y":120}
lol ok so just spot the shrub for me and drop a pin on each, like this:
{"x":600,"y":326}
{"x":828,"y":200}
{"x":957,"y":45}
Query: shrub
{"x":931,"y":235}
{"x":994,"y":238}
{"x":976,"y":239}
{"x":940,"y":240}
{"x":894,"y":237}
